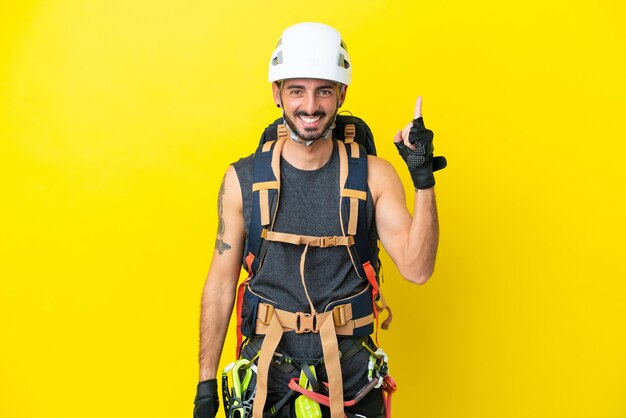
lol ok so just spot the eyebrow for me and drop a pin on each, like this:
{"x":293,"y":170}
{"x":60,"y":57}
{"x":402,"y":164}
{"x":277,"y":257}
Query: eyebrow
{"x":301,"y":87}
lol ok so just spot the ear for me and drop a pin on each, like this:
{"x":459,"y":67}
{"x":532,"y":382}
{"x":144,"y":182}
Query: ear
{"x":342,"y":94}
{"x":276,"y":93}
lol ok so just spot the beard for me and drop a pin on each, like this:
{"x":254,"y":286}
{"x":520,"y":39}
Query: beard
{"x":310,"y":134}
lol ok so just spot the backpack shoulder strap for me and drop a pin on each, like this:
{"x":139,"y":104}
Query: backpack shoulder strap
{"x":353,"y":190}
{"x":352,"y":213}
{"x":265,"y":195}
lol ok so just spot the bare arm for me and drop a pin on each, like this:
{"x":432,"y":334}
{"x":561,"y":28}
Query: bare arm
{"x":218,"y":296}
{"x":410,"y":241}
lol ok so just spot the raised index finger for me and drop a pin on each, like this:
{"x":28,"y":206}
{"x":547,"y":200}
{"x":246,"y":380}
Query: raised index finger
{"x":417,"y":113}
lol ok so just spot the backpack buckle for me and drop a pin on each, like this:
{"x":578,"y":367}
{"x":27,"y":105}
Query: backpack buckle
{"x":265,"y":313}
{"x":305,"y":322}
{"x":339,"y":315}
{"x":326,"y":242}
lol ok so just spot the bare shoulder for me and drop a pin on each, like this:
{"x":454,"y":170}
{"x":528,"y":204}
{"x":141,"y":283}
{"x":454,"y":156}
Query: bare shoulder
{"x":230,"y":190}
{"x":230,"y":228}
{"x":381,"y":176}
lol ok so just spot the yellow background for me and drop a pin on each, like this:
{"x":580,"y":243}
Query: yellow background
{"x":118,"y":118}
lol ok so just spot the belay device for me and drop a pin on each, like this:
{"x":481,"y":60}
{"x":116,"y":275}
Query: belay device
{"x":356,"y":316}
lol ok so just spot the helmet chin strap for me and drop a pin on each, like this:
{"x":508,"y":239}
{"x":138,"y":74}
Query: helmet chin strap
{"x":308,"y":142}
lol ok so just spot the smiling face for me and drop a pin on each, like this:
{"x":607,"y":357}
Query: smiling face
{"x":309,"y":105}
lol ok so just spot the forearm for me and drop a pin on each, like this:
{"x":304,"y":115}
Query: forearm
{"x":420,"y":248}
{"x":218,"y":299}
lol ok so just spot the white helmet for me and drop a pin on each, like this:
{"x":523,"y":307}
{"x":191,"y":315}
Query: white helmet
{"x":311,"y":50}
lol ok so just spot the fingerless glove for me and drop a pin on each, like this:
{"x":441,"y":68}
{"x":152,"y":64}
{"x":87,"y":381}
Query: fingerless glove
{"x":207,"y":402}
{"x":420,"y":161}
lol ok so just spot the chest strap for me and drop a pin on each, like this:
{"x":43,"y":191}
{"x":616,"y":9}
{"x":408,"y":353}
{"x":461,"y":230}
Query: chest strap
{"x":311,"y":241}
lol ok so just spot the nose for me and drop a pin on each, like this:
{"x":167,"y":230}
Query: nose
{"x":310,"y":103}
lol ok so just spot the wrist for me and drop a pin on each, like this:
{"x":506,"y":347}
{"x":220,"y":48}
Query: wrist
{"x":430,"y":190}
{"x":207,"y":372}
{"x":206,"y":388}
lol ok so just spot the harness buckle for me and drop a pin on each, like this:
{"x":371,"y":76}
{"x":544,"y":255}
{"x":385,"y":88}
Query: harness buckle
{"x":326,"y":242}
{"x":306,"y":322}
{"x":339,"y":315}
{"x":265,"y":313}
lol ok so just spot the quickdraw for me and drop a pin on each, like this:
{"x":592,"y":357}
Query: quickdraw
{"x":238,"y":398}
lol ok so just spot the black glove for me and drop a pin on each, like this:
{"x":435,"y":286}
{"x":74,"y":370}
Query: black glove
{"x":420,"y":161}
{"x":206,"y":402}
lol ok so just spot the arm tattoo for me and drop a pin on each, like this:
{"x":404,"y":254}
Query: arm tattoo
{"x":220,"y":245}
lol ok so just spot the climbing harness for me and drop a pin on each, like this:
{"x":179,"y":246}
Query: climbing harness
{"x":378,"y":376}
{"x":355,"y":316}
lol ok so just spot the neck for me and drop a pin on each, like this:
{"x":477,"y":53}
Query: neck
{"x":308,"y":157}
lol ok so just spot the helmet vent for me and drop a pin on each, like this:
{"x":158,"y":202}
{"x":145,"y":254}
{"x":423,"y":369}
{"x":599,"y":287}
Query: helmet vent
{"x":278,"y":59}
{"x":342,"y":62}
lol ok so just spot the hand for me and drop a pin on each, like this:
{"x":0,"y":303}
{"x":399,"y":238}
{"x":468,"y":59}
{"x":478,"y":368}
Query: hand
{"x":206,"y":402}
{"x":415,"y":145}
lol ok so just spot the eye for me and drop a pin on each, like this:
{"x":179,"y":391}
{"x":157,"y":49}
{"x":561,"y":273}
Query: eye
{"x":325,"y":93}
{"x":295,"y":92}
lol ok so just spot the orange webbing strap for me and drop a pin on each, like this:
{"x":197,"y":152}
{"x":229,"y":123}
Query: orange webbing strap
{"x":343,"y":168}
{"x":355,"y":196}
{"x":343,"y":192}
{"x":355,"y":150}
{"x":264,"y":194}
{"x":270,"y":343}
{"x":267,"y":146}
{"x":371,"y":278}
{"x":294,"y":384}
{"x":311,"y":241}
{"x":264,"y":201}
{"x":377,"y":295}
{"x":330,"y":348}
{"x":281,"y":132}
{"x":306,"y":289}
{"x":349,"y":132}
{"x":322,"y":323}
{"x":345,"y":323}
{"x":240,"y":292}
{"x":264,"y":187}
{"x":276,"y":158}
{"x":383,"y":307}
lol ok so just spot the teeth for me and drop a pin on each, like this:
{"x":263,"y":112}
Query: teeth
{"x":306,"y":119}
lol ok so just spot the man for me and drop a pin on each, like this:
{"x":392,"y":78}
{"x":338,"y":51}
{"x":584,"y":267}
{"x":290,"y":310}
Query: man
{"x":310,"y":71}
